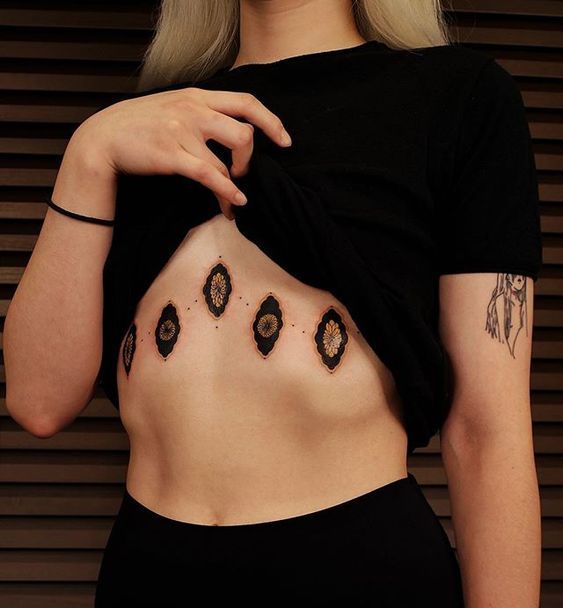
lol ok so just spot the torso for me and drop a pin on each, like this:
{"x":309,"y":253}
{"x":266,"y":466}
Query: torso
{"x":228,"y":424}
{"x":221,"y":434}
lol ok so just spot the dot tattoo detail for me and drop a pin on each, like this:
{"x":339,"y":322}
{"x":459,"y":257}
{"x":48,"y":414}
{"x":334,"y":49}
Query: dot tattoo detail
{"x":167,"y":330}
{"x":267,"y":325}
{"x":331,"y":338}
{"x":129,"y":347}
{"x":217,"y":289}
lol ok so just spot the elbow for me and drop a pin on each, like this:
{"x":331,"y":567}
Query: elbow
{"x":34,"y":416}
{"x":43,"y":428}
{"x":43,"y":408}
{"x":464,"y":434}
{"x":474,"y":437}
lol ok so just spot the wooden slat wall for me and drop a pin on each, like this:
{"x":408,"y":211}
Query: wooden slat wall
{"x":59,"y":61}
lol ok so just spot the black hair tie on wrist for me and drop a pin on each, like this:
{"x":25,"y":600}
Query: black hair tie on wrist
{"x":79,"y":216}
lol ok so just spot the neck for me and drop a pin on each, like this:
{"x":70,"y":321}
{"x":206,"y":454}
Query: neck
{"x":276,"y":29}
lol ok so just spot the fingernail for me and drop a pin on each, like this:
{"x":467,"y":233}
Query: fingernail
{"x":285,"y":139}
{"x":240,"y":198}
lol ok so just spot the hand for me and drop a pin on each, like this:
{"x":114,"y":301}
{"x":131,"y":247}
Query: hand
{"x":166,"y":133}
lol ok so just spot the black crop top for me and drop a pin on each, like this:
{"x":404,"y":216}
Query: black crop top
{"x":405,"y":165}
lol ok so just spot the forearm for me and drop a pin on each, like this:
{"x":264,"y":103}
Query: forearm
{"x":496,"y":517}
{"x":53,"y":329}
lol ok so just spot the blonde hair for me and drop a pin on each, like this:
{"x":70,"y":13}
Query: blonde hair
{"x":193,"y":38}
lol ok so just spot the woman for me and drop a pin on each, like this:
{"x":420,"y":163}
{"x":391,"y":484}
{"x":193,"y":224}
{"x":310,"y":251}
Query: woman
{"x":275,"y":361}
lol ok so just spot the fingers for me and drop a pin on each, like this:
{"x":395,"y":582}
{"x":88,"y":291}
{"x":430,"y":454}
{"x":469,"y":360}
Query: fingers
{"x":226,"y":208}
{"x":214,"y":175}
{"x":211,"y":116}
{"x":241,"y":154}
{"x":248,"y":106}
{"x":236,"y":135}
{"x":206,"y":154}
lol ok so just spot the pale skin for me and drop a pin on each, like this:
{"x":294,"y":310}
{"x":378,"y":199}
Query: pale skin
{"x":350,"y":442}
{"x":487,"y":447}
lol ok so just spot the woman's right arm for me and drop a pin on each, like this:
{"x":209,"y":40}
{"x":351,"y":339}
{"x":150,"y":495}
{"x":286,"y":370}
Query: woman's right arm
{"x":52,"y":338}
{"x":52,"y":332}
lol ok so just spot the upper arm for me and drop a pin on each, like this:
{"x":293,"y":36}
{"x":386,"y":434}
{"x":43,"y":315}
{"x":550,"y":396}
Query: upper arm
{"x":489,"y":256}
{"x":486,"y":322}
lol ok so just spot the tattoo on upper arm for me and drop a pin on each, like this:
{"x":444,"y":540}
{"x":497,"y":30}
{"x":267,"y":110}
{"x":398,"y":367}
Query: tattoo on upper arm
{"x":507,"y":309}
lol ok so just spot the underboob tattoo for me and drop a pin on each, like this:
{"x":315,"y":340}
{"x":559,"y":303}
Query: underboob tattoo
{"x":129,"y":347}
{"x":267,"y":325}
{"x":217,"y":289}
{"x":167,"y":330}
{"x":330,"y":335}
{"x":331,"y":338}
{"x":507,"y":309}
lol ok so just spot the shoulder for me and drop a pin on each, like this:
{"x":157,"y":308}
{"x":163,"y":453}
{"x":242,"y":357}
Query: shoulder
{"x":449,"y":63}
{"x":486,"y":86}
{"x":460,"y":76}
{"x":450,"y":58}
{"x":467,"y":68}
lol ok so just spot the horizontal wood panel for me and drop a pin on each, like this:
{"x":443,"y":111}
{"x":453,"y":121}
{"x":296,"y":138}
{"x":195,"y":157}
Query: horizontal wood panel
{"x":84,"y":83}
{"x":497,"y":34}
{"x":85,"y":51}
{"x":32,"y":113}
{"x":101,"y":500}
{"x":129,"y":18}
{"x":46,"y":595}
{"x":63,"y":467}
{"x":53,"y":565}
{"x":528,"y":8}
{"x":54,"y":532}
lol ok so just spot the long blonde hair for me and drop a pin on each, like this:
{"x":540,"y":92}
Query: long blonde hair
{"x":193,"y":38}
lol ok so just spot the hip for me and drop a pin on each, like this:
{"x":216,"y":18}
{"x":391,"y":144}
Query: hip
{"x":383,"y":548}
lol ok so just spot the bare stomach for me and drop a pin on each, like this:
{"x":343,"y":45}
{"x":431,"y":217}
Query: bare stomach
{"x":247,"y":395}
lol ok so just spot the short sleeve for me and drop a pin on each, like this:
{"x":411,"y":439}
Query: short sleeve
{"x":489,"y":218}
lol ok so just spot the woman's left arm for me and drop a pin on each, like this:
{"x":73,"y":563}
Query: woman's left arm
{"x":486,"y":441}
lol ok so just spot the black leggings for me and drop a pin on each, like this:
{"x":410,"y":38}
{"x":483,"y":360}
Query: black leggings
{"x":386,"y":548}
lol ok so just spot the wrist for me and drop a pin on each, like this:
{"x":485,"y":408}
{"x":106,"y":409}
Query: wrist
{"x":86,"y":182}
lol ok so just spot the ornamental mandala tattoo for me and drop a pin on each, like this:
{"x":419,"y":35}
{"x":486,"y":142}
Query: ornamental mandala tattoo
{"x":506,"y":311}
{"x":267,"y":325}
{"x":129,"y":347}
{"x":167,"y":330}
{"x":217,"y":289}
{"x":331,"y":338}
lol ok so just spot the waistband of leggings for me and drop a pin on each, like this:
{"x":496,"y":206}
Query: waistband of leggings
{"x":347,"y":511}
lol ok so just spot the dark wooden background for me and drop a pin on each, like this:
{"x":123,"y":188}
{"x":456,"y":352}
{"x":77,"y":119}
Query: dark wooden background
{"x":59,"y":62}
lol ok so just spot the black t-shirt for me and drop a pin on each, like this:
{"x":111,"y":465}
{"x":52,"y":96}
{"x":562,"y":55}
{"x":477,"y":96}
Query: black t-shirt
{"x":405,"y":165}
